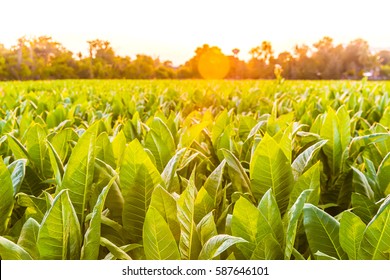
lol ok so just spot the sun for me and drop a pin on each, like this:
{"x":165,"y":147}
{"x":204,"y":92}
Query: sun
{"x":213,"y":65}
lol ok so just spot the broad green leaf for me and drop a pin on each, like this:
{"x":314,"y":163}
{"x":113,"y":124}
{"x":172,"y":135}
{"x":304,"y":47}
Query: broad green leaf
{"x":56,"y":164}
{"x":59,"y":236}
{"x":158,"y":240}
{"x":360,"y":184}
{"x":384,"y":175}
{"x":270,"y":169}
{"x":37,"y":149}
{"x":249,"y":224}
{"x":61,"y":140}
{"x":376,"y":238}
{"x":104,"y":150}
{"x":336,"y":129}
{"x":213,"y":184}
{"x":268,"y":248}
{"x":28,"y":238}
{"x":18,"y":172}
{"x":160,"y":142}
{"x":17,"y":148}
{"x":189,"y":244}
{"x":125,"y":248}
{"x":6,"y":196}
{"x":90,"y":249}
{"x":35,"y":207}
{"x":190,"y":134}
{"x":363,"y":207}
{"x":169,"y":173}
{"x":11,"y":251}
{"x":119,"y":147}
{"x":322,"y":231}
{"x":244,"y":224}
{"x":351,"y":234}
{"x":206,"y":228}
{"x":270,"y":220}
{"x":115,"y":250}
{"x":217,"y":245}
{"x":293,"y":217}
{"x":203,"y":204}
{"x":164,"y":203}
{"x":219,"y":126}
{"x":359,"y":143}
{"x":303,"y":160}
{"x":310,"y":180}
{"x":138,"y":178}
{"x":243,"y":182}
{"x":114,"y":201}
{"x":79,"y":172}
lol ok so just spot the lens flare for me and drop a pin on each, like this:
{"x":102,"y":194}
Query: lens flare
{"x":213,"y":65}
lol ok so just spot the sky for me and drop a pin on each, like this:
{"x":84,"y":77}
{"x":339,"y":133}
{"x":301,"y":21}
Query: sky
{"x":173,"y":29}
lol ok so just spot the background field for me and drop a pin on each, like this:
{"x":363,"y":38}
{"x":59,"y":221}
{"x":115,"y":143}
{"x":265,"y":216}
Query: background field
{"x":194,"y":169}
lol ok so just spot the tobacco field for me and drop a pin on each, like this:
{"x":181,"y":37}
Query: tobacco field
{"x":193,"y":170}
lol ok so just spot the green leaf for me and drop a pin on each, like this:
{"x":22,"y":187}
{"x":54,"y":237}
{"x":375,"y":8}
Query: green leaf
{"x":203,"y":204}
{"x":138,"y":178}
{"x":213,"y":184}
{"x":206,"y":228}
{"x":322,"y":231}
{"x":336,"y":129}
{"x":37,"y":149}
{"x":160,"y":142}
{"x":217,"y":245}
{"x":104,"y":150}
{"x":159,"y":242}
{"x":56,"y":164}
{"x":79,"y":172}
{"x":351,"y":234}
{"x":61,"y":140}
{"x":7,"y":197}
{"x":269,"y":168}
{"x":376,"y":238}
{"x":270,"y":219}
{"x":90,"y":249}
{"x":255,"y":226}
{"x":383,"y":175}
{"x":359,"y":143}
{"x":310,"y":180}
{"x":191,"y":133}
{"x":243,"y":182}
{"x":11,"y":251}
{"x":59,"y":236}
{"x":293,"y":217}
{"x":18,"y":172}
{"x":169,"y":173}
{"x":303,"y":160}
{"x":28,"y":238}
{"x":245,"y":225}
{"x":363,"y":207}
{"x":189,"y":244}
{"x":36,"y":207}
{"x":165,"y":204}
{"x":119,"y":147}
{"x":118,"y":252}
{"x":268,"y":248}
{"x":126,"y":248}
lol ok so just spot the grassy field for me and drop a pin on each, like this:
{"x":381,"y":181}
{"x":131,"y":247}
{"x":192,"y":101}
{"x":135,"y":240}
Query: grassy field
{"x":120,"y":169}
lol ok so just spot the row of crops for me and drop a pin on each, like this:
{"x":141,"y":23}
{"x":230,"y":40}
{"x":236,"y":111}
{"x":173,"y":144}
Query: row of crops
{"x":194,"y":170}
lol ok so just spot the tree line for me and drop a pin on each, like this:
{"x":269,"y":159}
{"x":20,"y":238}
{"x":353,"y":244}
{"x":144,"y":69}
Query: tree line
{"x":43,"y":58}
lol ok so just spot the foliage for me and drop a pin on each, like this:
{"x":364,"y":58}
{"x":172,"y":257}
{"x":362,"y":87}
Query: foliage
{"x":194,"y":170}
{"x":42,"y":58}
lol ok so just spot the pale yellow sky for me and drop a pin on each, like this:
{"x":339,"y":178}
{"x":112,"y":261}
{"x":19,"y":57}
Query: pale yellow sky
{"x":172,"y":29}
